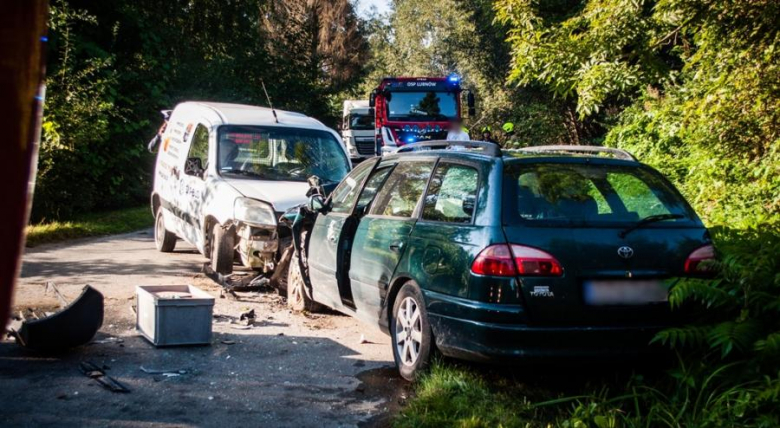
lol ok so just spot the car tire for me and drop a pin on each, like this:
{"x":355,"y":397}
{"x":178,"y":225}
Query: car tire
{"x":222,"y":252}
{"x":298,"y":296}
{"x":164,"y":240}
{"x":410,"y":333}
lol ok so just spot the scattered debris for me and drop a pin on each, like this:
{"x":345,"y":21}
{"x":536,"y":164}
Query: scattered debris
{"x":241,"y":327}
{"x":229,"y":342}
{"x":110,"y":339}
{"x":51,"y":286}
{"x":96,"y":373}
{"x":74,"y":325}
{"x":237,"y":281}
{"x":247,"y":315}
{"x":164,"y":372}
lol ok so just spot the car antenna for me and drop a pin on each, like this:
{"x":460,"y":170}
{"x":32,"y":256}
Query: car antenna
{"x":276,"y":118}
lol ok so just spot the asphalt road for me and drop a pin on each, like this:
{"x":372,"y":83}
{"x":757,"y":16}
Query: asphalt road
{"x":286,"y":370}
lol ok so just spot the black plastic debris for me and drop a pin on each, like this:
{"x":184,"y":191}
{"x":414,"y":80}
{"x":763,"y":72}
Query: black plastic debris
{"x":74,"y":325}
{"x":248,"y":315}
{"x":237,"y":282}
{"x":94,"y":372}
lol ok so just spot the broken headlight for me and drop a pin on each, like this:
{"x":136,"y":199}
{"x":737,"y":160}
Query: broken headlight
{"x":253,"y":212}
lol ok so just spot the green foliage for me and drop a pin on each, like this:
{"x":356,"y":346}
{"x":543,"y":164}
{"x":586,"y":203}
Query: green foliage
{"x":439,"y":37}
{"x":114,"y":65}
{"x":691,"y":88}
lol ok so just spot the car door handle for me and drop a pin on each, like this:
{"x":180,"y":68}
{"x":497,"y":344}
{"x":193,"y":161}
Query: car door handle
{"x":396,"y":246}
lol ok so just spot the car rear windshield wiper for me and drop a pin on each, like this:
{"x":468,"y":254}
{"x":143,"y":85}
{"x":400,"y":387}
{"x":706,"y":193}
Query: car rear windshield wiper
{"x":647,"y":220}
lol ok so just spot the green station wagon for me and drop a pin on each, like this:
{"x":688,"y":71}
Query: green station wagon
{"x":557,"y":251}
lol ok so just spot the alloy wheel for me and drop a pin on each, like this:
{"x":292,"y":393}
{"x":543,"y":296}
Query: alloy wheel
{"x":408,"y":331}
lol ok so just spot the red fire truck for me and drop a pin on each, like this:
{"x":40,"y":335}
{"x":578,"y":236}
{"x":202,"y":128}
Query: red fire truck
{"x":412,"y":109}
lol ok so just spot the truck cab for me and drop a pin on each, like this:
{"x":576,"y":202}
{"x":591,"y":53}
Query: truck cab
{"x":416,"y":109}
{"x":357,"y":130}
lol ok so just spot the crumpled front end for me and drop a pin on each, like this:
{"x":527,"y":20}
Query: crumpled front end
{"x":257,"y":246}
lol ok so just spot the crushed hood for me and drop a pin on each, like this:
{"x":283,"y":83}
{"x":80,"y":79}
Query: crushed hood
{"x":283,"y":195}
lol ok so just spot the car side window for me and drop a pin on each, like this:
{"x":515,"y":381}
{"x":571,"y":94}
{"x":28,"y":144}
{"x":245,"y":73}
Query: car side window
{"x":346,"y":193}
{"x":452,"y":194}
{"x":403,"y":189}
{"x":372,"y":186}
{"x":198,"y":156}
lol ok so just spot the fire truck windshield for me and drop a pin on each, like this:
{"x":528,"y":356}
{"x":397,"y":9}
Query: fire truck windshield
{"x":422,"y":106}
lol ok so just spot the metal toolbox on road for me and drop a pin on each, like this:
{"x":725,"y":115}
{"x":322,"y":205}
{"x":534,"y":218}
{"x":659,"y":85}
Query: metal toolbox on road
{"x":171,"y":315}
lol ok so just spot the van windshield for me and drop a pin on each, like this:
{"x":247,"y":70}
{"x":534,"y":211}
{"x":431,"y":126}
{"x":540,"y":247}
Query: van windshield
{"x":278,"y":153}
{"x":576,"y":194}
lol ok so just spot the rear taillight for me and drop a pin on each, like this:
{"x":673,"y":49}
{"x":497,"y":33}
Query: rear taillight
{"x":501,"y":260}
{"x":495,"y":260}
{"x":701,"y":261}
{"x":533,"y":262}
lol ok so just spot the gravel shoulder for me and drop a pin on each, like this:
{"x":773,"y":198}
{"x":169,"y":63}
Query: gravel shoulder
{"x":286,"y":370}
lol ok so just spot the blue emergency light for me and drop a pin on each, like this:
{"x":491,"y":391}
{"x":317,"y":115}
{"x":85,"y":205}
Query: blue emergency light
{"x":453,"y":78}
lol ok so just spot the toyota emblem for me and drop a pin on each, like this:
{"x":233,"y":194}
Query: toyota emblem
{"x":626,"y":252}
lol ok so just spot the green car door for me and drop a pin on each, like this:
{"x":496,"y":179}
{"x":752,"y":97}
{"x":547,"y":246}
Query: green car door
{"x":383,"y":234}
{"x":326,"y":238}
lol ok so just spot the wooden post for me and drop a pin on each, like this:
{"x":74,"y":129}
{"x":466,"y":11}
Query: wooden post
{"x":22,"y":65}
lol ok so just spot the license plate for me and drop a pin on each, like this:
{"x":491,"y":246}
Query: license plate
{"x":634,"y":292}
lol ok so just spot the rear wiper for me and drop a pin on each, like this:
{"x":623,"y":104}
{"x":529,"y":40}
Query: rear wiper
{"x":647,"y":220}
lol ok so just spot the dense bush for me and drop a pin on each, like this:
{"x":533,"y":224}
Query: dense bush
{"x":693,"y":89}
{"x":113,"y":65}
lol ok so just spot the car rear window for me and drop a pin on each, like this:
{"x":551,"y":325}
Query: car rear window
{"x":588,"y":194}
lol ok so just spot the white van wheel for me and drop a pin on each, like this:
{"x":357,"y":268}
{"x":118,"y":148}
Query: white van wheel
{"x":164,"y":240}
{"x":222,"y":243}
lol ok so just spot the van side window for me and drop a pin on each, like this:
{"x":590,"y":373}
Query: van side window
{"x":199,"y":152}
{"x":402,"y":190}
{"x":452,"y":194}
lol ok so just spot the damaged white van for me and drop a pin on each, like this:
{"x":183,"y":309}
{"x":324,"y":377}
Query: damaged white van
{"x":225,"y":172}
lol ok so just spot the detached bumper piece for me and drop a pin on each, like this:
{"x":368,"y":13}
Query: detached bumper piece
{"x":74,"y":325}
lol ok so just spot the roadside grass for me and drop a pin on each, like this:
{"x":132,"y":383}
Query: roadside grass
{"x":452,"y":396}
{"x":92,"y":224}
{"x":455,"y":395}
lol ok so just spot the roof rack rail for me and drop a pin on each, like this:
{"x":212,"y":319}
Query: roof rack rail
{"x":618,"y":153}
{"x":488,"y":149}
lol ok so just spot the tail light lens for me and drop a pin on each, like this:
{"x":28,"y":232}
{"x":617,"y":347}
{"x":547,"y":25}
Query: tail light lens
{"x":495,"y":260}
{"x":503,"y":260}
{"x":533,"y":262}
{"x":700,"y":262}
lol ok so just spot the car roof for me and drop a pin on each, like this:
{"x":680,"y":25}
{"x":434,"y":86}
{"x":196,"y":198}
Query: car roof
{"x":480,"y":150}
{"x":242,"y":114}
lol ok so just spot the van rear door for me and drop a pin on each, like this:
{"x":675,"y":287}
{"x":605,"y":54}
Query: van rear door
{"x":584,"y":216}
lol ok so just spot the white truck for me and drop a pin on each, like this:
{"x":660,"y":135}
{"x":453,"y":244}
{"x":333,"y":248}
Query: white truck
{"x":357,"y":129}
{"x":225,"y":172}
